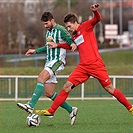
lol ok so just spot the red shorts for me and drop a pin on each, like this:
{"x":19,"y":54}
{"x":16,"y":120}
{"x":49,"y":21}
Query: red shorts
{"x":82,"y":73}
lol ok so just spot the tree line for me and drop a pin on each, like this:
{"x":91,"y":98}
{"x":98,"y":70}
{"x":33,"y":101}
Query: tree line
{"x":20,"y":30}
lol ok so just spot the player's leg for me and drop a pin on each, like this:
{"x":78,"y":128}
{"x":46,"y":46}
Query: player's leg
{"x":73,"y":80}
{"x":102,"y":75}
{"x":49,"y":91}
{"x":43,"y":76}
{"x":54,"y":69}
{"x":119,"y":96}
{"x":60,"y":99}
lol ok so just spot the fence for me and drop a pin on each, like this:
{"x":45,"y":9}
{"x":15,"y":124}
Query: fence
{"x":15,"y":88}
{"x":15,"y":60}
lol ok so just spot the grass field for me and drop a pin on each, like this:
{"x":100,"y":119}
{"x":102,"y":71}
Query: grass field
{"x":117,"y":63}
{"x":93,"y":117}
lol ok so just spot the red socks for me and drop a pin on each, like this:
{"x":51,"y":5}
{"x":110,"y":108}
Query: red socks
{"x":122,"y":99}
{"x":60,"y":99}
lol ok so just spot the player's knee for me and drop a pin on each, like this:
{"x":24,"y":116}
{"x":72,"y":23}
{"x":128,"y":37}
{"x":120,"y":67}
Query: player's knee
{"x":68,"y":86}
{"x":109,"y":89}
{"x":39,"y":79}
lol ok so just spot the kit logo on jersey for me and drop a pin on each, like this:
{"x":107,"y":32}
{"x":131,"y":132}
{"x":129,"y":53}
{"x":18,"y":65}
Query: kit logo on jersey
{"x":106,"y":80}
{"x":79,"y":40}
{"x":50,"y":39}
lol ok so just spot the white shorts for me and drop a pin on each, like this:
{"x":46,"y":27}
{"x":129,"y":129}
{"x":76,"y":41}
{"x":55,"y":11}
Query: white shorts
{"x":53,"y":67}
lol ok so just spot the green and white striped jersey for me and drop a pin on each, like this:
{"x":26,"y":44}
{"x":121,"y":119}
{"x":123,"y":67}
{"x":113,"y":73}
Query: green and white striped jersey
{"x":58,"y":34}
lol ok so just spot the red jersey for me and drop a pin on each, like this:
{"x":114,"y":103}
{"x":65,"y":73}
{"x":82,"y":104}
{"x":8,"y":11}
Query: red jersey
{"x":91,"y":63}
{"x":86,"y":41}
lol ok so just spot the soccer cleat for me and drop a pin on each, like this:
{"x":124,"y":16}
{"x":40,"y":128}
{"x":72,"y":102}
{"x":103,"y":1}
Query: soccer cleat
{"x":73,"y":115}
{"x":25,"y":107}
{"x":131,"y":110}
{"x":44,"y":113}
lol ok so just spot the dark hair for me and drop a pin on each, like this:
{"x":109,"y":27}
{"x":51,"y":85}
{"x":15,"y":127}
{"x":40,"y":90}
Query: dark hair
{"x":70,"y":17}
{"x":46,"y":16}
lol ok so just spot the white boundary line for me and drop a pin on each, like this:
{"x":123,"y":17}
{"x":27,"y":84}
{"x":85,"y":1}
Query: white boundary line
{"x":70,"y":98}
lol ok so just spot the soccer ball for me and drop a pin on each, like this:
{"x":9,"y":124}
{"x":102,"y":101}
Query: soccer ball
{"x":33,"y":120}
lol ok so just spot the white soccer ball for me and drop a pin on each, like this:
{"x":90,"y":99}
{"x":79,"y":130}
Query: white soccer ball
{"x":33,"y":120}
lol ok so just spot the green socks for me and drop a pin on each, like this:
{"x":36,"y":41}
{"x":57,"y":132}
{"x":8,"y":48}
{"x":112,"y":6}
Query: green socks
{"x":64,"y":105}
{"x":39,"y":91}
{"x":36,"y":94}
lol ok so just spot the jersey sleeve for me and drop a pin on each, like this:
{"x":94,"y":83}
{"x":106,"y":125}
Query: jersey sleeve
{"x":65,"y":46}
{"x":97,"y":17}
{"x":65,"y":35}
{"x":89,"y":24}
{"x":41,"y":50}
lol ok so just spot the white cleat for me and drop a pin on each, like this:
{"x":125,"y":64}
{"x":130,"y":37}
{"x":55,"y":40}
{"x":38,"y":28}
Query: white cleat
{"x":73,"y":115}
{"x":50,"y":117}
{"x":25,"y":107}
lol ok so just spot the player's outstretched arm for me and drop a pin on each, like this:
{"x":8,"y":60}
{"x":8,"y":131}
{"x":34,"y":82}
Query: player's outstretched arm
{"x":97,"y":17}
{"x":71,"y":47}
{"x":30,"y":51}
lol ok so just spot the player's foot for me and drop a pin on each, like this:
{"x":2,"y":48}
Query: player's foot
{"x":73,"y":115}
{"x":44,"y":113}
{"x":131,"y":110}
{"x":25,"y":107}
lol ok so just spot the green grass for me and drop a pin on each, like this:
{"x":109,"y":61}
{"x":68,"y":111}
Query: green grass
{"x":117,"y":63}
{"x":98,"y":116}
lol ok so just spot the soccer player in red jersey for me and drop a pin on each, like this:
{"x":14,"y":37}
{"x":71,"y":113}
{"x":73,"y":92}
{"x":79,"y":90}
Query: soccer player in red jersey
{"x":91,"y":64}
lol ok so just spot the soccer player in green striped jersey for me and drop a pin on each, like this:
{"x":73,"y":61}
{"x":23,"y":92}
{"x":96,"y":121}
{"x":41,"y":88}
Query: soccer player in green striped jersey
{"x":55,"y":61}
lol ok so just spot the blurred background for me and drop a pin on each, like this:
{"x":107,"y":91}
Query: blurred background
{"x":21,"y":28}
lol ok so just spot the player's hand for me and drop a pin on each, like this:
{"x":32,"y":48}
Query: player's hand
{"x":73,"y":47}
{"x":94,"y":7}
{"x":30,"y":51}
{"x":52,"y":45}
